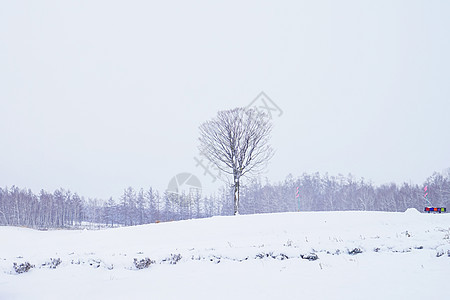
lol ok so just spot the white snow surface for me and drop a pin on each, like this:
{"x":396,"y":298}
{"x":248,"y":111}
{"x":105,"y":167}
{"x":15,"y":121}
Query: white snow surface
{"x":404,"y":256}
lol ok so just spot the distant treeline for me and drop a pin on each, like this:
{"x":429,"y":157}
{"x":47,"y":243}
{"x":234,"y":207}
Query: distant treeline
{"x":63,"y":209}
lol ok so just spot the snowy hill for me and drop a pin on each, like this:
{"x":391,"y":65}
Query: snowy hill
{"x":315,"y":255}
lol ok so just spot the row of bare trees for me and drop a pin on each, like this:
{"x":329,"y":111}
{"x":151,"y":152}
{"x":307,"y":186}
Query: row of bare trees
{"x":20,"y":207}
{"x":63,"y":209}
{"x":336,"y":193}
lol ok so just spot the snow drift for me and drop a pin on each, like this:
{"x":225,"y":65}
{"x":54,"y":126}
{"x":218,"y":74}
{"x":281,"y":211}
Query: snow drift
{"x":316,"y":255}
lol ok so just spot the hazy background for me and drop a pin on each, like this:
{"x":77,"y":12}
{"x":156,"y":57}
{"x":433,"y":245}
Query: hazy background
{"x":96,"y":96}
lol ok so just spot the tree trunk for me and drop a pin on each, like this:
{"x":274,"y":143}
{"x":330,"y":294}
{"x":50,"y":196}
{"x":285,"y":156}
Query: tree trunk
{"x":236,"y":196}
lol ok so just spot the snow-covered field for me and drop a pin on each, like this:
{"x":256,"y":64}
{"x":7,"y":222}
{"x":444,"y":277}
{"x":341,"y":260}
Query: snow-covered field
{"x":404,"y":256}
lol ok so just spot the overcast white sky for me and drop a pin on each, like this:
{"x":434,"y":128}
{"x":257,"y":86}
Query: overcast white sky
{"x":96,"y":96}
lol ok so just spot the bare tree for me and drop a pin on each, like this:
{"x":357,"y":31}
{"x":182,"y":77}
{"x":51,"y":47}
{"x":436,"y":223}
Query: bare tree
{"x":236,"y":141}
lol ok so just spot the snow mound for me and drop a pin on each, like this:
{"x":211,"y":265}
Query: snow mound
{"x":412,"y":211}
